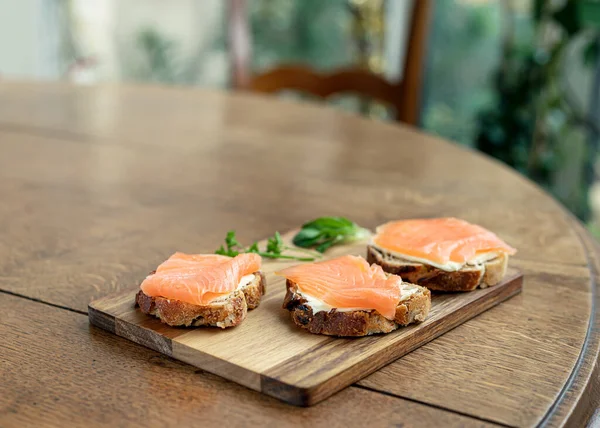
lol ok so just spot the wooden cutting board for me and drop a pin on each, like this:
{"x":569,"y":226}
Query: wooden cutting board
{"x":268,"y":353}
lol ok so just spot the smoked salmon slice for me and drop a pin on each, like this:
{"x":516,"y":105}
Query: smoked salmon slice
{"x":199,"y":278}
{"x":443,"y":241}
{"x":348,"y":282}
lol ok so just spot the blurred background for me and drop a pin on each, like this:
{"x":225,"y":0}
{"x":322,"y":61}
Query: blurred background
{"x":517,"y":79}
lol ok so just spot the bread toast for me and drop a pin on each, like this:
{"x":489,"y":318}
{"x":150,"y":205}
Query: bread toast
{"x":466,"y":279}
{"x":227,"y":311}
{"x":413,"y":309}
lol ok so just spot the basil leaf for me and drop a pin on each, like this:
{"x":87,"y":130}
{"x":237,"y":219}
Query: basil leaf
{"x":324,"y":232}
{"x":325,"y":245}
{"x":306,"y":237}
{"x":329,"y":223}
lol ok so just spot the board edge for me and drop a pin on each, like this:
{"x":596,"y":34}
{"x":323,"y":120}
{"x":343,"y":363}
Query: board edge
{"x":309,"y":395}
{"x":140,"y":335}
{"x":102,"y":320}
{"x":291,"y":394}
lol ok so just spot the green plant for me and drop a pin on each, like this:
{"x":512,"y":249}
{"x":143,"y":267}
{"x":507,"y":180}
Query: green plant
{"x":310,"y":31}
{"x":462,"y":54}
{"x":528,"y":125}
{"x":160,"y":59}
{"x":157,"y":56}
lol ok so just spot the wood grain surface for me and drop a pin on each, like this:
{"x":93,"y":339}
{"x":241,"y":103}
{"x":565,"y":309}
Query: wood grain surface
{"x":268,"y":353}
{"x":494,"y":378}
{"x":82,"y":376}
{"x":100,"y":183}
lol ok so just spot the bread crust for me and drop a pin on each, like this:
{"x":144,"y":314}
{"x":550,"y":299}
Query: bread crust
{"x":354,"y":323}
{"x":467,"y":279}
{"x":226,"y":312}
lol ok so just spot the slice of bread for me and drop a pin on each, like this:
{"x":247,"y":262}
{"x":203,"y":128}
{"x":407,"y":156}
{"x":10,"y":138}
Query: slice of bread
{"x":227,"y":311}
{"x":355,"y":323}
{"x":466,"y":279}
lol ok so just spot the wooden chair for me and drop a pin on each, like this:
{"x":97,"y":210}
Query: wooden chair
{"x":404,"y":96}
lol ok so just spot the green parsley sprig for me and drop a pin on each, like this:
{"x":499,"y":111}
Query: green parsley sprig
{"x":274,"y":250}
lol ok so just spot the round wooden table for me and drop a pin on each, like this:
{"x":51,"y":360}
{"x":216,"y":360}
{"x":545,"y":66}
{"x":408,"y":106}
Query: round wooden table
{"x":99,"y":184}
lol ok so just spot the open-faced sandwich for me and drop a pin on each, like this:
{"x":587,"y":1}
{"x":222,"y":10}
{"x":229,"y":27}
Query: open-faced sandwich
{"x":346,"y":296}
{"x":203,"y":289}
{"x":441,"y":253}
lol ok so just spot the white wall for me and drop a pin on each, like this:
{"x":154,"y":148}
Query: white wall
{"x":398,"y":15}
{"x":106,"y":31}
{"x":28,"y":40}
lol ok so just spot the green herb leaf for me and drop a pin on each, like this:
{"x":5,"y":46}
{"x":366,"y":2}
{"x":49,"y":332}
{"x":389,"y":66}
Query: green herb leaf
{"x":329,"y":223}
{"x":231,"y":241}
{"x":275,"y":244}
{"x":325,"y":245}
{"x":253,"y":248}
{"x":274,"y":250}
{"x":222,"y":251}
{"x":307,"y":237}
{"x":325,"y":232}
